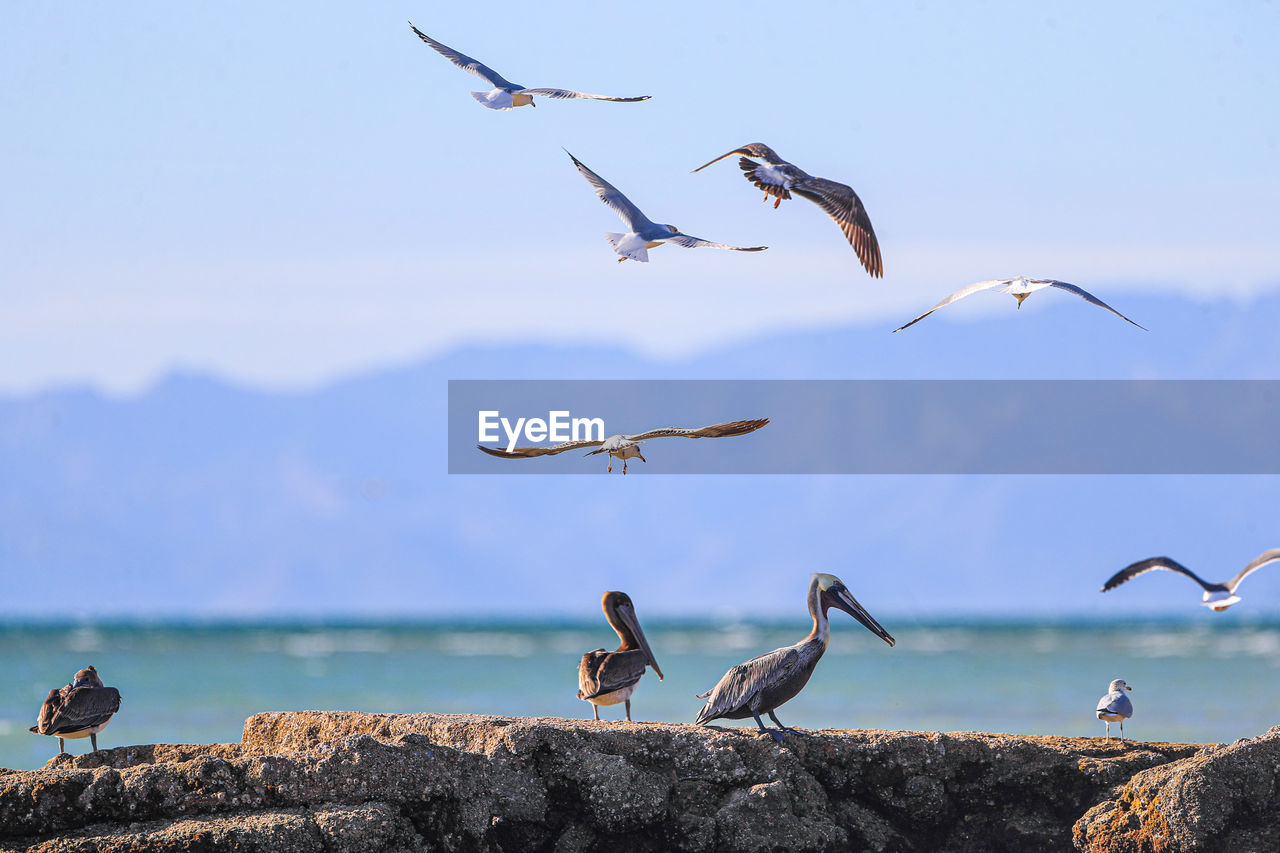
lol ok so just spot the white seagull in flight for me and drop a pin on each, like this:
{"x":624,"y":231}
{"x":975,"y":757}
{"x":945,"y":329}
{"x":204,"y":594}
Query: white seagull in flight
{"x":626,"y":447}
{"x":1020,"y":288}
{"x":644,"y":234}
{"x":1217,"y":596}
{"x":506,"y":95}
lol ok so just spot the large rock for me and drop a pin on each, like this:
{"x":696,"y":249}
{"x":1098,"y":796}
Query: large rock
{"x":313,"y":781}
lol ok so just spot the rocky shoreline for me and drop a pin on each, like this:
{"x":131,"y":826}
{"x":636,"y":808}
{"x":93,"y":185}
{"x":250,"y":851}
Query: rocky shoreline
{"x":347,"y":781}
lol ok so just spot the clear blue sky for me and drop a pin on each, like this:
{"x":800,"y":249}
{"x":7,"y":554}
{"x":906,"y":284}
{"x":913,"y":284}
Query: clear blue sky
{"x":282,"y":194}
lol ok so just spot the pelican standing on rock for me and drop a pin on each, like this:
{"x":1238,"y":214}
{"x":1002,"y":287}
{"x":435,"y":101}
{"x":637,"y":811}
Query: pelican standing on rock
{"x":607,"y":678}
{"x":81,"y":709}
{"x":779,"y":179}
{"x":762,"y":684}
{"x":1217,"y":596}
{"x":1020,"y":288}
{"x":1115,"y":706}
{"x":644,"y":233}
{"x":506,"y":95}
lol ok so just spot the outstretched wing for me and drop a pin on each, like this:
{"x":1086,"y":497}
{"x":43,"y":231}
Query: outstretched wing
{"x":526,"y":452}
{"x":742,"y":683}
{"x":714,"y":431}
{"x":1265,"y":558}
{"x":609,"y":194}
{"x":82,"y":708}
{"x":1089,"y":297}
{"x":698,"y":243}
{"x":842,"y":204}
{"x":465,"y":62}
{"x":564,"y":94}
{"x":1143,"y":566}
{"x":959,"y":294}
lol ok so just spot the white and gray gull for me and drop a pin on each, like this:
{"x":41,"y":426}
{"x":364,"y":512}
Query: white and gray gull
{"x":1020,"y":288}
{"x":1217,"y":596}
{"x":506,"y":95}
{"x":764,"y":683}
{"x":626,"y":447}
{"x":81,"y":709}
{"x":1115,"y":707}
{"x":644,"y":233}
{"x":779,"y":179}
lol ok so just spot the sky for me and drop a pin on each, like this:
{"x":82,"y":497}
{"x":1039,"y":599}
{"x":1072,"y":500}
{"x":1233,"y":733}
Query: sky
{"x":288,"y":194}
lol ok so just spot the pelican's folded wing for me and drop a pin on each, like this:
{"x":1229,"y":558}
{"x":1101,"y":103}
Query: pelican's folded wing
{"x":698,"y":243}
{"x":465,"y":62}
{"x":563,"y":94}
{"x":600,"y":674}
{"x":842,"y":204}
{"x":723,"y":430}
{"x":1086,"y":295}
{"x":82,"y":708}
{"x":1143,"y":566}
{"x":526,"y":452}
{"x":741,"y":683}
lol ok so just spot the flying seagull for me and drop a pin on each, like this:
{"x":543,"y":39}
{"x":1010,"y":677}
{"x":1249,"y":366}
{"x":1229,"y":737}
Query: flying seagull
{"x":644,"y":234}
{"x":607,"y":678}
{"x":1115,"y":706}
{"x":506,"y":95}
{"x":81,"y":709}
{"x":1020,"y":287}
{"x":1217,"y":596}
{"x":626,"y":447}
{"x":764,"y":683}
{"x":779,"y":179}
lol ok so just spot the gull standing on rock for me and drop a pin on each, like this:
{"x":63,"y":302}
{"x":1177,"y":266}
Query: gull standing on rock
{"x":626,"y":447}
{"x":1115,"y":706}
{"x":81,"y":709}
{"x":607,"y":678}
{"x":779,"y":179}
{"x":1217,"y":596}
{"x":763,"y":683}
{"x":506,"y":95}
{"x":644,"y":234}
{"x":1020,"y":288}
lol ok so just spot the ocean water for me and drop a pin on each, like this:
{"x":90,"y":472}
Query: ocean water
{"x":1208,"y":680}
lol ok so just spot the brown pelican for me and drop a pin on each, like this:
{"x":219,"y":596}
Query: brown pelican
{"x":81,"y":709}
{"x":1115,"y":706}
{"x":626,"y":447}
{"x":506,"y":95}
{"x":1020,"y":288}
{"x":607,"y":678}
{"x":779,"y":179}
{"x":1217,"y":596}
{"x":764,"y":683}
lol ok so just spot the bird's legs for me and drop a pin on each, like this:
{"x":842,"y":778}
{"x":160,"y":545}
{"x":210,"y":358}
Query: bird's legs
{"x":774,"y":717}
{"x":628,"y":710}
{"x":1122,"y":731}
{"x":621,"y":259}
{"x":1107,"y":723}
{"x":595,"y":709}
{"x":777,"y":202}
{"x":93,"y":739}
{"x":62,"y":746}
{"x":610,"y":468}
{"x":773,"y":733}
{"x":624,"y":466}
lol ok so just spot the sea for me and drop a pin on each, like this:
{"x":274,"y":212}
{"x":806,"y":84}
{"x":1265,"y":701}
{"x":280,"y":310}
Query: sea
{"x":1210,"y":680}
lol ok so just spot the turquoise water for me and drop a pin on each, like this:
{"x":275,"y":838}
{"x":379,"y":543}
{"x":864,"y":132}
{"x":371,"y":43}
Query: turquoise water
{"x":1202,"y":681}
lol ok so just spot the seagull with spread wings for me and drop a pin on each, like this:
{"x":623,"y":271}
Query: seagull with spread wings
{"x":626,"y":447}
{"x":506,"y":95}
{"x":779,"y":179}
{"x":1020,"y":288}
{"x":644,"y":234}
{"x":1217,"y":596}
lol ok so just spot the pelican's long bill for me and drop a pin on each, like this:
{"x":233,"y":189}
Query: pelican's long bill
{"x":628,"y":615}
{"x":840,"y":598}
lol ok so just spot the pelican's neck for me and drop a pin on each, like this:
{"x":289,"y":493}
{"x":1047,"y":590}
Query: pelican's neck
{"x":623,"y":631}
{"x":821,"y":626}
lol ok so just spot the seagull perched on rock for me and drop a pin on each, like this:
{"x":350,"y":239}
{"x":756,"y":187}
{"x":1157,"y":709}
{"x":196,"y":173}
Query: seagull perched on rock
{"x":1115,"y":707}
{"x":506,"y":95}
{"x":1020,"y":288}
{"x":644,"y":234}
{"x":1217,"y":596}
{"x":626,"y":447}
{"x":779,"y":179}
{"x":81,"y":709}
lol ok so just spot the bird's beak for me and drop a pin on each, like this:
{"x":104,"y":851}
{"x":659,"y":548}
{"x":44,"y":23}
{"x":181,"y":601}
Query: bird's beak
{"x":721,"y":157}
{"x":1127,"y":687}
{"x":844,"y":600}
{"x":628,"y":616}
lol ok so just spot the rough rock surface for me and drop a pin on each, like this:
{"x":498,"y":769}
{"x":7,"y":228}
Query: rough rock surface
{"x":339,"y":781}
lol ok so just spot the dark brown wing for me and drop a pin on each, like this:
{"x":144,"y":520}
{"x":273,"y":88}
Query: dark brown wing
{"x":724,"y":430}
{"x":82,"y":708}
{"x":842,"y":204}
{"x":604,"y":672}
{"x":48,"y":710}
{"x":524,"y":452}
{"x":1143,"y":566}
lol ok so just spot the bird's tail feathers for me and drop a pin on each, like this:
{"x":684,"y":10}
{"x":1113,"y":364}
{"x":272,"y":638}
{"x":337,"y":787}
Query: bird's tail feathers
{"x":635,"y":253}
